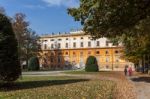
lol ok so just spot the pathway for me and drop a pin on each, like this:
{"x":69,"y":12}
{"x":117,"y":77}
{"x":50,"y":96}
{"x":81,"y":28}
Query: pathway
{"x":142,"y":85}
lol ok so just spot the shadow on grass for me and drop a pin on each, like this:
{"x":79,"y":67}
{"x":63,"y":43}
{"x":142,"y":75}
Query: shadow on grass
{"x":36,"y":84}
{"x":141,"y":79}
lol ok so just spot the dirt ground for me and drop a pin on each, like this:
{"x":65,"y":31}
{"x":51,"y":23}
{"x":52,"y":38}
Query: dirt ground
{"x":142,"y":85}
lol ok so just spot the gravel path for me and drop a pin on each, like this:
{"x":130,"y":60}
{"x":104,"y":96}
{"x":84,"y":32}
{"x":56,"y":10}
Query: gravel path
{"x":142,"y":84}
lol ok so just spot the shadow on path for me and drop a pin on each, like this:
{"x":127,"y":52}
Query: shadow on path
{"x":141,"y":79}
{"x":36,"y":84}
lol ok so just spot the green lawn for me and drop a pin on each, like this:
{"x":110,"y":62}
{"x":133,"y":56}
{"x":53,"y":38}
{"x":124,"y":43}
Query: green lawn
{"x":59,"y":87}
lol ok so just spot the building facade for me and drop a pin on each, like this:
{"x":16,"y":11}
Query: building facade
{"x":70,"y":51}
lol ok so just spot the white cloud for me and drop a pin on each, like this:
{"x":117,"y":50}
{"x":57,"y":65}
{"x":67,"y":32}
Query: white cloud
{"x":34,"y":6}
{"x":66,"y":3}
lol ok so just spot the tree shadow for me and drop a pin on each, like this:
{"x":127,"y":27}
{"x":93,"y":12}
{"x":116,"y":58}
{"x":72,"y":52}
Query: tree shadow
{"x":37,"y":84}
{"x":141,"y":79}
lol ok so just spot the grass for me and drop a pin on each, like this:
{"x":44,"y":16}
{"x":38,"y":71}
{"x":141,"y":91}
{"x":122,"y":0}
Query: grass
{"x":58,"y":87}
{"x":123,"y":89}
{"x":74,"y":85}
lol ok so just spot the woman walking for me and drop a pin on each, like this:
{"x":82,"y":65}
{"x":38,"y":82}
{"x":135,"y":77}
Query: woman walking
{"x":130,"y":71}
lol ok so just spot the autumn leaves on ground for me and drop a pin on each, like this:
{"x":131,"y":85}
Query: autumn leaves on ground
{"x":74,"y":85}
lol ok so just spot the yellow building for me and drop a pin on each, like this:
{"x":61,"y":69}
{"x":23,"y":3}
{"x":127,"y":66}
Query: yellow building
{"x":70,"y":51}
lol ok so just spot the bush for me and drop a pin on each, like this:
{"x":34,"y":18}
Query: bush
{"x":33,"y":64}
{"x":91,"y":64}
{"x":10,"y":68}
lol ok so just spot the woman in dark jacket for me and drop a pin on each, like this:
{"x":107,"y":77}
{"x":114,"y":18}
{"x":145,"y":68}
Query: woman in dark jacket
{"x":125,"y":71}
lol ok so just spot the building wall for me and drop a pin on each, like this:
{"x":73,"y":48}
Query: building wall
{"x":107,"y":55}
{"x":70,"y":39}
{"x":76,"y":58}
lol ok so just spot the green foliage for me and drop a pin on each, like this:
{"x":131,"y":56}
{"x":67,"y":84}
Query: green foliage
{"x":33,"y":64}
{"x":127,"y":21}
{"x":10,"y":68}
{"x":91,"y":64}
{"x":110,"y":17}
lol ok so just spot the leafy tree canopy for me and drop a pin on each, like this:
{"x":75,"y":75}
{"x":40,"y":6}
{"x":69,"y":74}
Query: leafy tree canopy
{"x":127,"y":21}
{"x":110,"y":18}
{"x":27,"y":38}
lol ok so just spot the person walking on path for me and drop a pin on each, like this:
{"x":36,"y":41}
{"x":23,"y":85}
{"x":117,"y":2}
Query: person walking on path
{"x":125,"y":71}
{"x":130,"y":71}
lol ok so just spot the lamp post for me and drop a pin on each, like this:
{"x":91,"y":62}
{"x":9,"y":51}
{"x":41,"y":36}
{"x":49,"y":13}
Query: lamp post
{"x":112,"y":58}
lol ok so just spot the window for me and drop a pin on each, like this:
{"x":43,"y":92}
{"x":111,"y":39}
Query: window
{"x":60,"y":53}
{"x":115,"y":44}
{"x":52,"y":45}
{"x":74,"y":53}
{"x":58,"y":66}
{"x":116,"y":66}
{"x":52,"y":54}
{"x":66,"y":45}
{"x":107,"y":43}
{"x":52,"y":39}
{"x":89,"y":44}
{"x":45,"y":46}
{"x":107,"y":59}
{"x":81,"y":44}
{"x":107,"y":66}
{"x":39,"y":46}
{"x":116,"y":52}
{"x":51,"y":60}
{"x":59,"y":60}
{"x":81,"y":53}
{"x":89,"y":52}
{"x":106,"y":52}
{"x":52,"y":66}
{"x":59,"y":45}
{"x":117,"y":59}
{"x":66,"y":53}
{"x":45,"y":54}
{"x":97,"y":52}
{"x":97,"y":43}
{"x":59,"y":39}
{"x":74,"y":45}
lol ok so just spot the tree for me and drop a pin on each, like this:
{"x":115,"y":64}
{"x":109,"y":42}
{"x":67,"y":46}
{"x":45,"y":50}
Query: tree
{"x":110,"y":17}
{"x":2,"y":10}
{"x":27,"y":38}
{"x":32,"y":45}
{"x":91,"y":64}
{"x":33,"y":64}
{"x":128,"y":20}
{"x":9,"y":64}
{"x":20,"y":27}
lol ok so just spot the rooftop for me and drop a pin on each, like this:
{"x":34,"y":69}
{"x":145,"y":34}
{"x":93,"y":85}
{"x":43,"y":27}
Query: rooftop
{"x":72,"y":33}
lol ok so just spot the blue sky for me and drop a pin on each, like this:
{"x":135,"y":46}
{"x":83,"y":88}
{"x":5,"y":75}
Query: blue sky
{"x":45,"y":16}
